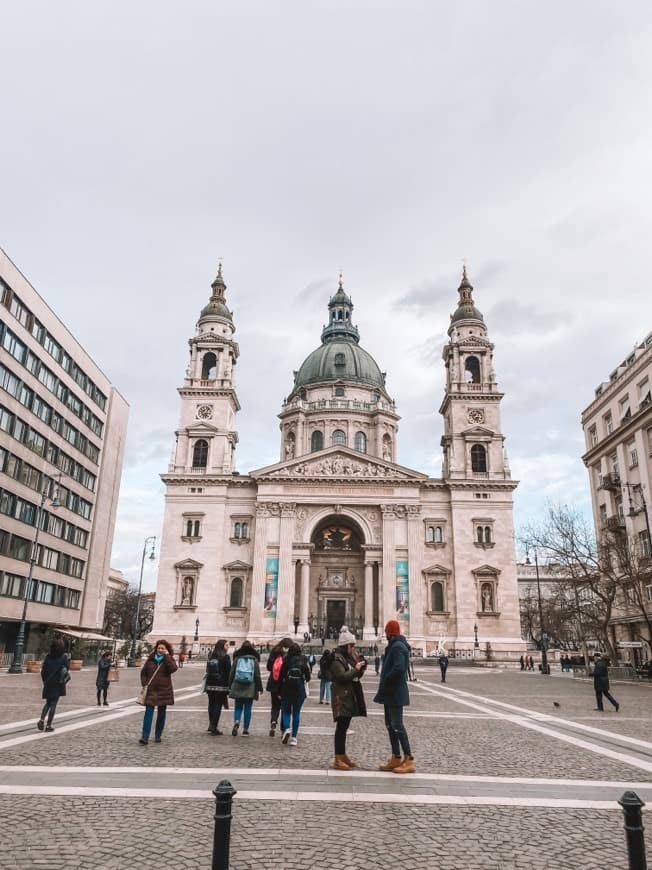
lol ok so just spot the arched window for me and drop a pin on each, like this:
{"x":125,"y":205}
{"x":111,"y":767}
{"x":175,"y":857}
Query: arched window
{"x":209,"y":367}
{"x":478,"y":534}
{"x":437,"y":597}
{"x":438,"y":535}
{"x":339,"y":391}
{"x":430,"y":535}
{"x":236,"y":530}
{"x":189,"y":529}
{"x":200,"y":454}
{"x":235,"y":598}
{"x":317,"y":441}
{"x":360,"y":442}
{"x":245,"y":530}
{"x":339,"y":359}
{"x":487,"y":534}
{"x":472,"y":370}
{"x":339,"y":437}
{"x":478,"y":458}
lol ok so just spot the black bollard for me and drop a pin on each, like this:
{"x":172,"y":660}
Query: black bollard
{"x":632,"y":806}
{"x":224,"y":794}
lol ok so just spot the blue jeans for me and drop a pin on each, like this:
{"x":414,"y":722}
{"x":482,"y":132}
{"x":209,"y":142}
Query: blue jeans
{"x":160,"y":721}
{"x":396,"y":730}
{"x":325,"y":690}
{"x":291,"y":707}
{"x":240,"y":705}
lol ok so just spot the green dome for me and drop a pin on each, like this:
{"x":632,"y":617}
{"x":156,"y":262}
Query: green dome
{"x":342,"y":360}
{"x":466,"y":311}
{"x":215,"y":308}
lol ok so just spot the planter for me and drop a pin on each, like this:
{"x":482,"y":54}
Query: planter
{"x":139,"y":663}
{"x":33,"y":666}
{"x":76,"y":664}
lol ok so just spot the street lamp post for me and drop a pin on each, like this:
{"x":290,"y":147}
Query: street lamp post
{"x":196,"y":637}
{"x":131,"y":661}
{"x":17,"y":661}
{"x":476,"y":644}
{"x":544,"y":636}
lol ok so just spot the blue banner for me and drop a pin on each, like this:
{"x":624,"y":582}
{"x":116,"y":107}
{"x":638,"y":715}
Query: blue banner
{"x":402,"y":590}
{"x":271,"y":587}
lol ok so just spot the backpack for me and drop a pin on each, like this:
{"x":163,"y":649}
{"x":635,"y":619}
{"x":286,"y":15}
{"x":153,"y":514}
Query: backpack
{"x":244,"y":670}
{"x":277,"y":666}
{"x":294,"y":677}
{"x":213,"y":669}
{"x":325,"y":664}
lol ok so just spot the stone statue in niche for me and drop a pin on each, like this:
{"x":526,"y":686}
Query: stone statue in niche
{"x":387,"y":450}
{"x":289,"y":449}
{"x":188,"y":585}
{"x":487,"y":598}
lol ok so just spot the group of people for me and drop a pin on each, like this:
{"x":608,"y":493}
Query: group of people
{"x":526,"y":663}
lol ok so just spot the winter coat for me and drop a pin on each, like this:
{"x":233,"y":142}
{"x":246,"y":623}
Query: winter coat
{"x":160,"y":692}
{"x":347,"y":697}
{"x":324,"y":672}
{"x":103,"y":667}
{"x":601,"y":676}
{"x":294,"y":690}
{"x":52,"y":669}
{"x":392,"y":688}
{"x":443,"y":663}
{"x":245,"y":691}
{"x":273,"y":686}
{"x":219,"y":682}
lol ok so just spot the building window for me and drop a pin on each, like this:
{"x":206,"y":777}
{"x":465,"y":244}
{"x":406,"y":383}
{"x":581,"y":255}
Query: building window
{"x":478,"y":458}
{"x":360,"y":442}
{"x":193,"y":528}
{"x":237,"y":589}
{"x":434,"y":535}
{"x":608,"y":424}
{"x":472,"y":370}
{"x":593,"y":436}
{"x":623,"y":405}
{"x":644,"y":544}
{"x":339,"y":392}
{"x":209,"y":367}
{"x":339,"y":359}
{"x":316,"y":441}
{"x":644,"y":392}
{"x":633,"y":455}
{"x":483,"y":534}
{"x":437,"y":597}
{"x":648,"y":590}
{"x":339,"y":438}
{"x":200,"y":454}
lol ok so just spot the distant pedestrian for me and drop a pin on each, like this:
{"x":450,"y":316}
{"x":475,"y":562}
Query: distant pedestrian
{"x":274,"y":666}
{"x":601,"y":683}
{"x":312,"y":661}
{"x":218,"y":669}
{"x":347,"y":700}
{"x":182,"y":659}
{"x":190,"y":655}
{"x":393,"y":694}
{"x":377,"y":663}
{"x":54,"y":674}
{"x":443,"y":666}
{"x":102,"y":680}
{"x":325,"y":678}
{"x":522,"y":663}
{"x":295,"y":673}
{"x":157,"y":672}
{"x":245,"y":685}
{"x":531,"y":663}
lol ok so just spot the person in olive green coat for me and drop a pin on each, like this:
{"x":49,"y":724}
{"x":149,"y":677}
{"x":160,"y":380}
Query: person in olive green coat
{"x":347,"y":697}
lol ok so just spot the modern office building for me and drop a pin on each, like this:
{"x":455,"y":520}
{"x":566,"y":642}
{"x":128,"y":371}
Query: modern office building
{"x":62,"y":438}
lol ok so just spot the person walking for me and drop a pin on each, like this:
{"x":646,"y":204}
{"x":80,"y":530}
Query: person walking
{"x":274,"y":665}
{"x":245,"y":685}
{"x":325,"y":679}
{"x":443,"y":666}
{"x":347,"y":699}
{"x":531,"y":663}
{"x":156,"y":673}
{"x":295,"y":673}
{"x":54,"y":674}
{"x":377,"y":663}
{"x":393,"y":694}
{"x":522,"y":663}
{"x":102,"y":679}
{"x":601,"y":683}
{"x":218,"y":668}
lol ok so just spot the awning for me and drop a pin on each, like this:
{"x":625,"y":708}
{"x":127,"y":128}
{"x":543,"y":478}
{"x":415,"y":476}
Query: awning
{"x":83,"y":635}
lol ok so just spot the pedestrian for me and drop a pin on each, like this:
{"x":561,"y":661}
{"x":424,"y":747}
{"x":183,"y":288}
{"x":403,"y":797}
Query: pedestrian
{"x":522,"y":663}
{"x":601,"y":683}
{"x":54,"y":675}
{"x":347,"y":699}
{"x":182,"y":659}
{"x":295,"y":673}
{"x":377,"y":663}
{"x":393,"y":695}
{"x":274,"y":665}
{"x":312,"y":661}
{"x":102,"y":680}
{"x":325,"y":678}
{"x":245,"y":685}
{"x":531,"y":663}
{"x":216,"y":684}
{"x":156,"y":674}
{"x":189,"y":655}
{"x":443,"y":666}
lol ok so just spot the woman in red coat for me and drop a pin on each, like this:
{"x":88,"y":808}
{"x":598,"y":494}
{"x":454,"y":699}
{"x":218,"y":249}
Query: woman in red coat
{"x":158,"y":669}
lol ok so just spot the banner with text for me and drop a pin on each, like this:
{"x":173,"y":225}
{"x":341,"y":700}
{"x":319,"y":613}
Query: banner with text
{"x":271,"y":586}
{"x":402,"y":590}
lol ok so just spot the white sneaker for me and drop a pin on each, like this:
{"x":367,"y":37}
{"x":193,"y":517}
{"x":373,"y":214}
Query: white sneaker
{"x":286,"y":736}
{"x":293,"y":741}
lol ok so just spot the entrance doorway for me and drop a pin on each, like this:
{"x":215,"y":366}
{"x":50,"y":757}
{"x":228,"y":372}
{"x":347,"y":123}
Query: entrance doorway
{"x":335,"y":614}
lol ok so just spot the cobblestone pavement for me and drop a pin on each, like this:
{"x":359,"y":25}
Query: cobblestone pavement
{"x":112,"y":820}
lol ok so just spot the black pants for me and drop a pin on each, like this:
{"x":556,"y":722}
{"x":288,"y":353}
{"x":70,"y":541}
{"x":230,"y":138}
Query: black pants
{"x":276,"y":708}
{"x":598,"y":697}
{"x":215,"y":704}
{"x":341,"y":728}
{"x":442,"y":668}
{"x":104,"y":691}
{"x":49,"y":709}
{"x":397,"y":734}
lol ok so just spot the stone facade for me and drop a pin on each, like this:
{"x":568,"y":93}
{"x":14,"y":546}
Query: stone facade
{"x":337,"y":531}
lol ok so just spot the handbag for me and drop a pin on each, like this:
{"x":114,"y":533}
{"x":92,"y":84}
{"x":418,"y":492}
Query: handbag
{"x":142,"y":695}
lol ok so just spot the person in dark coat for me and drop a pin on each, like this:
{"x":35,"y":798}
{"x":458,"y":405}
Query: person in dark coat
{"x":157,"y":671}
{"x":218,"y":669}
{"x":295,"y":673}
{"x":393,"y":694}
{"x":325,"y":679}
{"x":274,"y":665}
{"x":347,"y":697}
{"x":443,"y":666}
{"x":54,"y":674}
{"x":102,"y":679}
{"x":601,"y":683}
{"x":244,"y":691}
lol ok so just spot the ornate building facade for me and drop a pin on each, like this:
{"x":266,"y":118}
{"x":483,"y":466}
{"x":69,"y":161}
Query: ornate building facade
{"x":337,"y":532}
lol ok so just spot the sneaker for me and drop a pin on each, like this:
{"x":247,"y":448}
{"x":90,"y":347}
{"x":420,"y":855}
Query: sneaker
{"x":49,"y":728}
{"x":245,"y":733}
{"x":617,"y":706}
{"x":293,"y":741}
{"x":40,"y":724}
{"x":272,"y":730}
{"x":286,"y":736}
{"x":234,"y":730}
{"x":143,"y":741}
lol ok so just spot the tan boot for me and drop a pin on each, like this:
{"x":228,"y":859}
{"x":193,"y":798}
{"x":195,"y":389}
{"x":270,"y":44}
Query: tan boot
{"x":392,"y":764}
{"x":348,"y":761}
{"x":407,"y":766}
{"x":340,"y":763}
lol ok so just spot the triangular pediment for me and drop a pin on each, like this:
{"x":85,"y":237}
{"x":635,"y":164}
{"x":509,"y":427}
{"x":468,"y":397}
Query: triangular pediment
{"x":188,"y":565}
{"x":200,"y":428}
{"x":338,"y":463}
{"x":486,"y":571}
{"x":236,"y":565}
{"x":436,"y":569}
{"x":478,"y":432}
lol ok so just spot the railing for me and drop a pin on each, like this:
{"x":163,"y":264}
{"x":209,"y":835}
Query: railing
{"x":7,"y":658}
{"x":341,"y":404}
{"x":615,"y":523}
{"x":610,"y":481}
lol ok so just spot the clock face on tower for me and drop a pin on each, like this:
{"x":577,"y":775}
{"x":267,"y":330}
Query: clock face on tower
{"x":204,"y":412}
{"x":476,"y":415}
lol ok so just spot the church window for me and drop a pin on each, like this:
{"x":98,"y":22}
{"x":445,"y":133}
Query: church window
{"x":430,"y":535}
{"x":479,"y":534}
{"x":608,"y":424}
{"x":437,"y":597}
{"x":339,"y":438}
{"x":237,"y":531}
{"x":339,"y":392}
{"x":339,"y":359}
{"x":236,"y":596}
{"x":360,"y":442}
{"x":438,"y":535}
{"x":316,"y":441}
{"x":487,"y":534}
{"x":192,"y":528}
{"x":478,"y":458}
{"x":209,"y":367}
{"x":245,"y":530}
{"x":200,"y":454}
{"x":472,"y":370}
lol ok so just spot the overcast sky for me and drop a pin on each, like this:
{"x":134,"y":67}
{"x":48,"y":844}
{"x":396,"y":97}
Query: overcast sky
{"x":142,"y":141}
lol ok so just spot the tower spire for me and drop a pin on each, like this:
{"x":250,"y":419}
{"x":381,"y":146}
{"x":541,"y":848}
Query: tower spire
{"x":218,"y":286}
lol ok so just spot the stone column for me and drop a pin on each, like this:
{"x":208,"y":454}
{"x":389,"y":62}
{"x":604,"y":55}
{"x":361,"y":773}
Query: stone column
{"x":368,"y":630}
{"x":257,"y":602}
{"x":285,"y":603}
{"x":415,"y":531}
{"x":305,"y":596}
{"x":387,"y":591}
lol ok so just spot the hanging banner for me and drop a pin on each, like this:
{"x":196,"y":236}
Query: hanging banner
{"x":271,"y":587}
{"x":402,"y":590}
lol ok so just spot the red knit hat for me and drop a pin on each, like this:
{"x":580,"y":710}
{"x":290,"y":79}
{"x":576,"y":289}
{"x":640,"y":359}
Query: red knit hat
{"x":392,"y":629}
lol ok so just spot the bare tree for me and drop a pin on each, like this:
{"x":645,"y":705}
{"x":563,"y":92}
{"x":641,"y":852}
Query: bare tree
{"x":120,"y":615}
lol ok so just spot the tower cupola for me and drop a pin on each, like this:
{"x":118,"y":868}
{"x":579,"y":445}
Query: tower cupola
{"x":466,"y":309}
{"x":340,"y":326}
{"x":217,"y":308}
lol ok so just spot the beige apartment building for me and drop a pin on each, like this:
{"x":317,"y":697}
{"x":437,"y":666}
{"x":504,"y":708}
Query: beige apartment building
{"x":62,"y":437}
{"x":618,"y":430}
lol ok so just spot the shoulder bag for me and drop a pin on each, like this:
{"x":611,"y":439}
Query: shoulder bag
{"x":142,"y":695}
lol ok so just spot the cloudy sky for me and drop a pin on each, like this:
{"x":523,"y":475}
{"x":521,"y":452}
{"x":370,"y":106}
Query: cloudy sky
{"x":142,"y":141}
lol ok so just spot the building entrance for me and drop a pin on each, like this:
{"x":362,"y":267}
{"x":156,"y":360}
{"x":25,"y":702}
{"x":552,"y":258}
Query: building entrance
{"x":335,"y":614}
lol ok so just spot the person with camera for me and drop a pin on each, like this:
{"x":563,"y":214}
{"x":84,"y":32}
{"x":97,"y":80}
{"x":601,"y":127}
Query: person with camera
{"x":393,"y":695}
{"x":347,"y":697}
